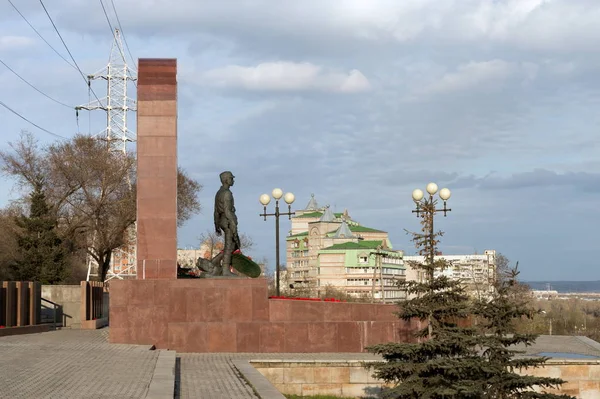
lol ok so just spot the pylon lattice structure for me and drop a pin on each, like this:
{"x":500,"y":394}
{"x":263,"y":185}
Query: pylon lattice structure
{"x":116,"y":104}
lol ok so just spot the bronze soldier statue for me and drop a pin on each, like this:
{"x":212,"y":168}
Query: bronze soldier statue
{"x":226,"y":223}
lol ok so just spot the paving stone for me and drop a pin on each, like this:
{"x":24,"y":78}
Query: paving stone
{"x":75,"y":364}
{"x":81,"y":364}
{"x":213,"y":375}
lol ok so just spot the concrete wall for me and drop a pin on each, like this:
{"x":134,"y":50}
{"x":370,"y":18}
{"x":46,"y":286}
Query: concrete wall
{"x":351,"y":379}
{"x":583,"y":377}
{"x":68,"y":298}
{"x":308,"y":378}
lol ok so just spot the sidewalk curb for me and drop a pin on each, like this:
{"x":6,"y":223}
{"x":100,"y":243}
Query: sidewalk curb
{"x":262,"y":387}
{"x":162,"y":385}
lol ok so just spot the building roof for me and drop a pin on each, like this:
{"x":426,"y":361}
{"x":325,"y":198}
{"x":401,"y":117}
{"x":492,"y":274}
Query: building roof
{"x":311,"y":215}
{"x":303,"y":234}
{"x":343,"y":231}
{"x":312,"y":204}
{"x":363,"y":229}
{"x":328,"y":215}
{"x":363,"y":244}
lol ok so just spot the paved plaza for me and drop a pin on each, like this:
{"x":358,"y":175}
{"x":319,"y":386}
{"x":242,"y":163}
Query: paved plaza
{"x":82,"y":364}
{"x":73,"y":364}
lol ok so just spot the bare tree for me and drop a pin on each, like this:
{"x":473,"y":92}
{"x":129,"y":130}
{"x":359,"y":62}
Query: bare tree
{"x":502,"y":265}
{"x":98,"y":191}
{"x":91,"y":190}
{"x":26,"y":161}
{"x":503,"y":269}
{"x":187,"y":197}
{"x":213,"y":244}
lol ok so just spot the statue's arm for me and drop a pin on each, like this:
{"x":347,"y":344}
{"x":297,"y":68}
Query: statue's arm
{"x":230,"y":209}
{"x":216,"y":216}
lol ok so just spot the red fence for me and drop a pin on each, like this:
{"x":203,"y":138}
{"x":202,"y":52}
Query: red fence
{"x":307,"y":299}
{"x":20,"y":303}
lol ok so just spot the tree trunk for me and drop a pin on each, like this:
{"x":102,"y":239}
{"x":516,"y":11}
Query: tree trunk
{"x":104,"y":265}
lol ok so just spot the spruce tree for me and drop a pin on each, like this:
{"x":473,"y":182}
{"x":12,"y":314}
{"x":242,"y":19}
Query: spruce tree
{"x":499,"y":314}
{"x":452,"y":359}
{"x":42,"y":256}
{"x":444,"y":363}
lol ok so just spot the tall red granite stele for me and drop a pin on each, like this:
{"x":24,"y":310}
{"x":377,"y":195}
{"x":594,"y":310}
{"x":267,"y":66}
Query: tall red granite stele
{"x":157,"y":169}
{"x":214,"y":315}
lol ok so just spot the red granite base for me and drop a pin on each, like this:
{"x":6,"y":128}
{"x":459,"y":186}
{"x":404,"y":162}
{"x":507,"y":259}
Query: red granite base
{"x":35,"y":329}
{"x":204,"y":315}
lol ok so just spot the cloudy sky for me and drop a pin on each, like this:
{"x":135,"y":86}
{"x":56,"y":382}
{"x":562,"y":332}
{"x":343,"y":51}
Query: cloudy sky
{"x":359,"y":102}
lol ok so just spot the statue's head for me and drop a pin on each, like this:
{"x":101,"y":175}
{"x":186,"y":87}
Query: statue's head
{"x":227,"y":178}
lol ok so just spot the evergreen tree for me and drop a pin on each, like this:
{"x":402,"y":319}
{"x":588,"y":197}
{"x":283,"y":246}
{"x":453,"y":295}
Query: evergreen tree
{"x":42,"y":256}
{"x":444,"y":363}
{"x":499,"y":337}
{"x":448,"y":360}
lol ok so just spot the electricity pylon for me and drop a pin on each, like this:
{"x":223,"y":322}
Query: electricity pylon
{"x":116,"y":104}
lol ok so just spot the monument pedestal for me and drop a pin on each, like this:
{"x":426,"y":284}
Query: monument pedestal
{"x":235,"y":315}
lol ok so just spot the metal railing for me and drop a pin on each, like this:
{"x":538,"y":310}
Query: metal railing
{"x":55,"y":308}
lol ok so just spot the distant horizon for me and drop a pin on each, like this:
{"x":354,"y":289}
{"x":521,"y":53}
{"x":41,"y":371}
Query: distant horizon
{"x":563,"y":286}
{"x":560,"y":281}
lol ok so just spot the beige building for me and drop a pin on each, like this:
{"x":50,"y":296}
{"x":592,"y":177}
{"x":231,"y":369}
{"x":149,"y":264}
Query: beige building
{"x":476,"y":271}
{"x":326,"y":249}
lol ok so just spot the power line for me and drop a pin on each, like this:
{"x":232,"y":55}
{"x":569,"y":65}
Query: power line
{"x":40,"y":35}
{"x":28,"y":121}
{"x":112,"y":31}
{"x":69,"y":51}
{"x":35,"y":88}
{"x":122,"y":34}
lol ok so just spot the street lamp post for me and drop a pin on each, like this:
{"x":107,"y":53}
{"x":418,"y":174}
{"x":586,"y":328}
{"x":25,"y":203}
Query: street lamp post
{"x":264,"y":200}
{"x":426,"y":208}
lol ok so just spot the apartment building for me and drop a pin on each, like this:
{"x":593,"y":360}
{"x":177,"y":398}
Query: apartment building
{"x":476,"y":271}
{"x":327,"y":249}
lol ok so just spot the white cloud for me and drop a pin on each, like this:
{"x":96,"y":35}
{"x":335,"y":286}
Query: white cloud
{"x":286,"y":76}
{"x":14,"y":42}
{"x":472,"y":74}
{"x":543,"y":25}
{"x":476,"y":75}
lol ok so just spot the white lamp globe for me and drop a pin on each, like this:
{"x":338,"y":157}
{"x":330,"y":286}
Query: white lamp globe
{"x":277,"y":193}
{"x":445,"y":194}
{"x":265,"y":199}
{"x":289,"y":198}
{"x":417,"y":195}
{"x":432,"y":188}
